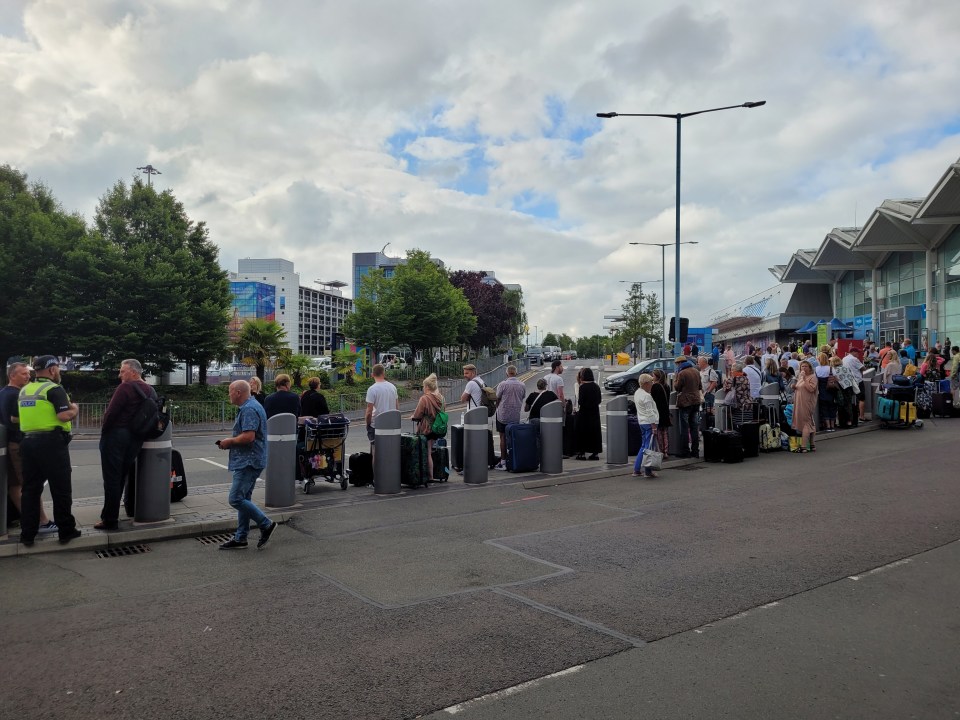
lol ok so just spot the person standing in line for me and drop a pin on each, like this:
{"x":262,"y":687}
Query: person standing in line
{"x":283,"y":399}
{"x":537,"y":400}
{"x":855,"y":365}
{"x":430,"y":403}
{"x":911,"y":350}
{"x":473,"y":390}
{"x":687,"y":385}
{"x":381,"y":396}
{"x":18,"y":375}
{"x":709,"y":381}
{"x":313,"y":403}
{"x":648,"y":418}
{"x":754,"y":374}
{"x":589,"y":432}
{"x":555,"y":380}
{"x":256,"y":390}
{"x":510,"y":395}
{"x":45,"y":413}
{"x":660,"y":391}
{"x":119,"y":447}
{"x":729,"y":360}
{"x":248,"y":458}
{"x":804,"y":406}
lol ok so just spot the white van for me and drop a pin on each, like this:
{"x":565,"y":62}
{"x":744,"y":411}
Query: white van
{"x":324,"y":362}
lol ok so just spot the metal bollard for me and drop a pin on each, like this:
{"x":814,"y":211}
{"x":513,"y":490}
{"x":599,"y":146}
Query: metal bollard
{"x":868,"y":390}
{"x":476,"y":446}
{"x":280,"y":474}
{"x":721,"y":411}
{"x":386,"y":453}
{"x":673,"y":435}
{"x":551,"y":438}
{"x":617,"y":431}
{"x":3,"y":481}
{"x":152,"y":496}
{"x":770,"y":402}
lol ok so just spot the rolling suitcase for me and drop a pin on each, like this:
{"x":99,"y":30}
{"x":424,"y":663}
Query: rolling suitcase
{"x":178,"y":477}
{"x":888,"y":409}
{"x":413,"y":460}
{"x":634,"y":436}
{"x":569,"y":434}
{"x":360,"y":467}
{"x":942,"y":404}
{"x":523,"y":450}
{"x":908,"y":412}
{"x":750,"y":432}
{"x":712,"y":450}
{"x":731,"y":447}
{"x":441,"y":462}
{"x":456,"y":448}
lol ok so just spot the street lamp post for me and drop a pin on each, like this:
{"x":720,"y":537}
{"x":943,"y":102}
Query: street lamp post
{"x":663,"y":288}
{"x":678,"y":117}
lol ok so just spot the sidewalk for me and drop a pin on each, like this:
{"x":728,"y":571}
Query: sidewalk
{"x":205,"y":511}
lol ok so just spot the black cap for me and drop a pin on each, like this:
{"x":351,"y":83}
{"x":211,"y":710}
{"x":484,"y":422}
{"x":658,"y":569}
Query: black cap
{"x":45,"y":361}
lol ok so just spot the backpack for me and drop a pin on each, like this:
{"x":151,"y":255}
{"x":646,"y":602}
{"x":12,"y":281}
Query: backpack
{"x":488,"y":398}
{"x":151,"y":418}
{"x":833,"y":382}
{"x":769,"y":438}
{"x":439,"y":425}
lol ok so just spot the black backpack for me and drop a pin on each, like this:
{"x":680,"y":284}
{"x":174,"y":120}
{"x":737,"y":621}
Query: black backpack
{"x":151,"y":417}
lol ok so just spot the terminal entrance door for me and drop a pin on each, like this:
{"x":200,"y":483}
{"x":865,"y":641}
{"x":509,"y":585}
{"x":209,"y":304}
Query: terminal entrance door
{"x":902,"y":322}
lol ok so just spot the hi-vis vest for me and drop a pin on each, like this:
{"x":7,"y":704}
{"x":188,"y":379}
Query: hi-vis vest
{"x":36,"y":412}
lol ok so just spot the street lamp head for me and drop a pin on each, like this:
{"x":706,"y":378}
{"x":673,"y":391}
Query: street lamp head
{"x":607,"y":115}
{"x":758,"y":103}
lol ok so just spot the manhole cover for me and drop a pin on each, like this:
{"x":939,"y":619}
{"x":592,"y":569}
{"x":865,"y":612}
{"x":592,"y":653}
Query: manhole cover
{"x":123,"y":550}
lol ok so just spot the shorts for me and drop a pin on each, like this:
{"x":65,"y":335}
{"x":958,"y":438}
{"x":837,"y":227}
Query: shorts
{"x":501,"y":428}
{"x":708,"y":399}
{"x":14,"y":465}
{"x":862,"y":390}
{"x":371,"y":433}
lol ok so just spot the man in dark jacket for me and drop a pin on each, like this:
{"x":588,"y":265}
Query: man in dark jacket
{"x":687,"y":385}
{"x":312,"y":402}
{"x":283,"y":400}
{"x":119,"y":446}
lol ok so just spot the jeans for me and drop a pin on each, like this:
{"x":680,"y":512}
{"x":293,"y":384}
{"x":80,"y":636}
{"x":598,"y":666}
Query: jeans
{"x":240,"y":492}
{"x":689,"y":430}
{"x":646,"y":433}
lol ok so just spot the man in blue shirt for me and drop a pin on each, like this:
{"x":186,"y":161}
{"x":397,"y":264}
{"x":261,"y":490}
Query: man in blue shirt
{"x":911,"y":350}
{"x":248,"y":458}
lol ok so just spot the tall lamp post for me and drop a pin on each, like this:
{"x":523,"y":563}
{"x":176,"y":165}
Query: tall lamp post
{"x":678,"y":117}
{"x":663,"y":289}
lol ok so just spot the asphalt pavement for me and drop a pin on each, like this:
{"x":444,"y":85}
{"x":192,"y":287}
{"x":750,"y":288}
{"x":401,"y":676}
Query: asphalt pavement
{"x":790,"y":586}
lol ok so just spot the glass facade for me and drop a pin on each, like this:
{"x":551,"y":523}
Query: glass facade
{"x":948,"y":259}
{"x":903,"y":281}
{"x":854,"y":295}
{"x":254,"y":300}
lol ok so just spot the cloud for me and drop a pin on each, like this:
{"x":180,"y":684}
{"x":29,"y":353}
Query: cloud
{"x":311,"y":130}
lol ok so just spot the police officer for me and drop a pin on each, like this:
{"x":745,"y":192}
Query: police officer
{"x":45,"y":415}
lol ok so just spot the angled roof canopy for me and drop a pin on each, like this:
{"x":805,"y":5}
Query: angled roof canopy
{"x":836,"y":252}
{"x":942,"y":205}
{"x":799,"y":270}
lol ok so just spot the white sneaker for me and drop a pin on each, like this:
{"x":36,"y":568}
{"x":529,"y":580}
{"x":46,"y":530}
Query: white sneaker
{"x":500,"y":466}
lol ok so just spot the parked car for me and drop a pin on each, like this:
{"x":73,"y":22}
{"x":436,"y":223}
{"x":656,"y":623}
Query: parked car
{"x":535,"y":355}
{"x":568,"y":355}
{"x":626,"y":382}
{"x":551,"y":353}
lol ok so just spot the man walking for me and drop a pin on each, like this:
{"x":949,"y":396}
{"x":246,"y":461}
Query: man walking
{"x":248,"y":458}
{"x":555,"y":380}
{"x":119,"y":447}
{"x":45,"y":415}
{"x":687,"y":384}
{"x":510,"y":395}
{"x":18,"y":375}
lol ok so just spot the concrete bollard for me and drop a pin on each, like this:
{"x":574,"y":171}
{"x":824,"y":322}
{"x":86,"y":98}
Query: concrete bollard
{"x":868,"y":389}
{"x":151,"y":501}
{"x":551,"y":438}
{"x":476,"y":446}
{"x":386,"y":453}
{"x":673,"y":434}
{"x":617,"y":442}
{"x":280,"y":474}
{"x":3,"y":481}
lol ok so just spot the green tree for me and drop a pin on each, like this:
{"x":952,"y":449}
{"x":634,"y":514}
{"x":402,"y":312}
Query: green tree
{"x":262,"y":343}
{"x":345,"y":363}
{"x":486,"y":303}
{"x":298,"y":365}
{"x":425,"y":309}
{"x":369,"y":324}
{"x":173,"y":298}
{"x":517,"y":317}
{"x":640,"y":314}
{"x":35,"y":234}
{"x":550,"y":339}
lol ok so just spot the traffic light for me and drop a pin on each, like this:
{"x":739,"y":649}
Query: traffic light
{"x":684,"y":327}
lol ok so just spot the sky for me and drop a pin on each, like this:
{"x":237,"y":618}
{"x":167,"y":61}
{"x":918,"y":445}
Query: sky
{"x":309,"y":130}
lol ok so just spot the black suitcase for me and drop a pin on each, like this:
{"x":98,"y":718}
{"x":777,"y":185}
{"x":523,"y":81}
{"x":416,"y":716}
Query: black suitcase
{"x":360,"y":467}
{"x":750,"y":432}
{"x":570,"y":433}
{"x":731,"y":447}
{"x":413,"y":460}
{"x":708,"y":421}
{"x":178,"y":477}
{"x":441,"y":462}
{"x":634,"y":436}
{"x":456,"y":448}
{"x":942,"y":404}
{"x":712,"y":446}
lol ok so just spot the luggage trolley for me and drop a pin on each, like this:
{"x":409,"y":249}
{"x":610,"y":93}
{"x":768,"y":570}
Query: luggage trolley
{"x":323,"y":439}
{"x":897,"y":406}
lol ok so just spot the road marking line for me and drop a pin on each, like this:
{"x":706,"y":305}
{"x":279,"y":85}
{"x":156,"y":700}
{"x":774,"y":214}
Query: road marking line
{"x":211,"y":462}
{"x":507,"y":692}
{"x":880,"y":569}
{"x":531,"y":497}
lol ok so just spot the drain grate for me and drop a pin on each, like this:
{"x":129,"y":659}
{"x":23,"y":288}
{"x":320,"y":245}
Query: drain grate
{"x":215,"y":539}
{"x":123,"y":550}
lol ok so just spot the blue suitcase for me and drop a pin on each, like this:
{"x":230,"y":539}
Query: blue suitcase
{"x":888,"y":409}
{"x":523,"y":447}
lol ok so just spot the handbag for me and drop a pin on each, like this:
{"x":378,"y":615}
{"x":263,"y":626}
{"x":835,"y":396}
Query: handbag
{"x":652,"y":459}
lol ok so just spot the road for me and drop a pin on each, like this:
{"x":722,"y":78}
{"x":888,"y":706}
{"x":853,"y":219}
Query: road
{"x":791,"y":586}
{"x":205,"y":464}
